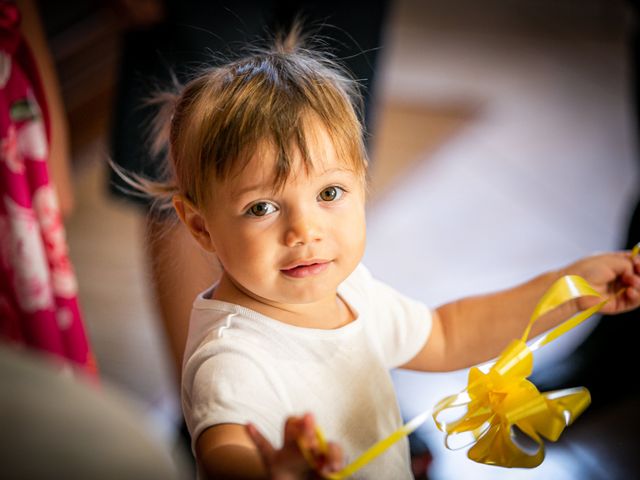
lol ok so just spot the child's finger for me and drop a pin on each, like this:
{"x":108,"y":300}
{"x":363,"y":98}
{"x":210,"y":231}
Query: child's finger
{"x":621,"y":264}
{"x":334,"y":458}
{"x":633,"y":296}
{"x":266,"y":450}
{"x":631,"y":280}
{"x":293,"y":430}
{"x":309,"y":433}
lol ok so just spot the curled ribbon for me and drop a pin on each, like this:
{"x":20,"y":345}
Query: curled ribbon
{"x":501,"y":405}
{"x":502,"y":402}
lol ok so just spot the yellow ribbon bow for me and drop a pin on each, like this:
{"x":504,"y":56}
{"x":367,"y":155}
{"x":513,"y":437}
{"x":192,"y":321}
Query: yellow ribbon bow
{"x":501,"y":403}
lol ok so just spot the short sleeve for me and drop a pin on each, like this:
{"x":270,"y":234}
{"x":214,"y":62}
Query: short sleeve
{"x":399,"y":325}
{"x":228,"y":386}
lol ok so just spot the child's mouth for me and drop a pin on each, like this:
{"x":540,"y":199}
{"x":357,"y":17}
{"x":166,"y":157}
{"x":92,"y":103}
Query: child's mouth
{"x":307,"y":270}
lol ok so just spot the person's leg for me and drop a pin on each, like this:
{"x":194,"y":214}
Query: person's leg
{"x":180,"y":270}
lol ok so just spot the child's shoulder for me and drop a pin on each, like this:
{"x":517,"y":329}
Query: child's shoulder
{"x":219,"y":330}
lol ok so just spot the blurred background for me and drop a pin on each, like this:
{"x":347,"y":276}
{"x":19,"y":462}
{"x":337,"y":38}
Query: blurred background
{"x":504,"y":144}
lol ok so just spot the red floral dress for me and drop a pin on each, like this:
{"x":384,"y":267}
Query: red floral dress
{"x":38,"y":288}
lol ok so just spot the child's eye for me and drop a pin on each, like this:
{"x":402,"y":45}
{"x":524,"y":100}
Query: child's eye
{"x":331,"y":194}
{"x":261,"y":209}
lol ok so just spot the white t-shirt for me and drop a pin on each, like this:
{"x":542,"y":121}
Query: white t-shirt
{"x":242,"y":366}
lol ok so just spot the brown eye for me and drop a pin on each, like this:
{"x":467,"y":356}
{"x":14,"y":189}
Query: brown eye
{"x":261,"y":209}
{"x":330,"y":194}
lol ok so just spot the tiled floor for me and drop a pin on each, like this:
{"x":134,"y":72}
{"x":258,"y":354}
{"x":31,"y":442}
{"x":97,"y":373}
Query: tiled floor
{"x":505,"y":147}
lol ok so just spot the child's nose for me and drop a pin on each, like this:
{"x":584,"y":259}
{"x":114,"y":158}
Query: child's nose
{"x":302,"y":229}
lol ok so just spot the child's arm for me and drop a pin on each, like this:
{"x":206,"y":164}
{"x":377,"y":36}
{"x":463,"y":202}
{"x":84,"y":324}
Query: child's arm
{"x":476,"y":329}
{"x":233,"y":451}
{"x":226,"y":452}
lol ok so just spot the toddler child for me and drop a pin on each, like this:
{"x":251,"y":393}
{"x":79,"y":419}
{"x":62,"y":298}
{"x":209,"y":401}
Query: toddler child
{"x":267,"y":169}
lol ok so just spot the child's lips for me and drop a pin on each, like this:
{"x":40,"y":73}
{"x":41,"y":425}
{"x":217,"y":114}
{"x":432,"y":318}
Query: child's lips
{"x":306,"y":269}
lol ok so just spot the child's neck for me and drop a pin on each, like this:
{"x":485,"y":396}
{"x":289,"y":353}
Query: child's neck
{"x":326,"y":314}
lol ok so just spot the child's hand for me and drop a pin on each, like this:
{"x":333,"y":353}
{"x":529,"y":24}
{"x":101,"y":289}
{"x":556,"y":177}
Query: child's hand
{"x":615,"y":275}
{"x":289,"y":462}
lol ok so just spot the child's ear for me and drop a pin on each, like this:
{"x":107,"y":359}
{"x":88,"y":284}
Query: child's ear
{"x":194,"y":221}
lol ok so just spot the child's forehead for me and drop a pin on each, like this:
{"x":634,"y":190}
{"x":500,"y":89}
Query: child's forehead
{"x":261,"y":168}
{"x":261,"y":163}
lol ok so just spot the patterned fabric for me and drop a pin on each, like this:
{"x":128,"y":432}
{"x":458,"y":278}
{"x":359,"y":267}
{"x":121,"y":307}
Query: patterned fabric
{"x":38,"y":288}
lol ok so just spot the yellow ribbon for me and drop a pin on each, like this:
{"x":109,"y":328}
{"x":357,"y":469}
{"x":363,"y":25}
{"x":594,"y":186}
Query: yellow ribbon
{"x":502,"y":404}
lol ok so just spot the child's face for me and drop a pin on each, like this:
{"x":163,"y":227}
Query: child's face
{"x":295,"y":245}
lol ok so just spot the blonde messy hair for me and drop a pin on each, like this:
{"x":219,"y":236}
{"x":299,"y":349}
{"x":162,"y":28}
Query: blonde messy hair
{"x":210,"y":127}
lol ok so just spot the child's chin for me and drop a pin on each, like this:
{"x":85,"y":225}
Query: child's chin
{"x":307,"y":295}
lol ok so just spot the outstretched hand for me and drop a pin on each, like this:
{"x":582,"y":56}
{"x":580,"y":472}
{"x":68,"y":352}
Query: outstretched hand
{"x":289,"y":462}
{"x":615,"y":275}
